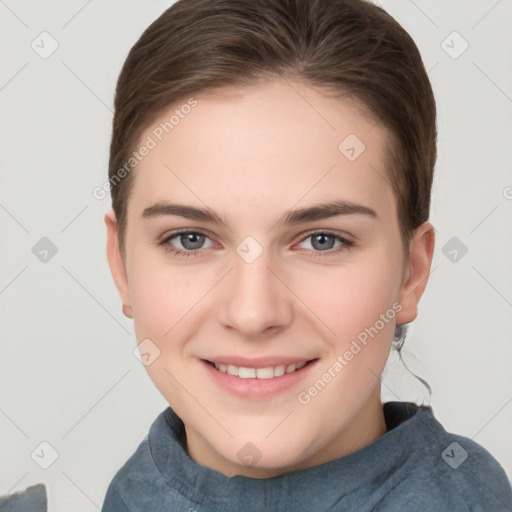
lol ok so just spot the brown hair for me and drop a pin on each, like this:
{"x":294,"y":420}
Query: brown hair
{"x":351,"y":47}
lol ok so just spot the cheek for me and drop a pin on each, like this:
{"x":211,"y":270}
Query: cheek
{"x":163,"y":301}
{"x":160,"y":294}
{"x":370,"y":295}
{"x":350,"y":298}
{"x":359,"y":303}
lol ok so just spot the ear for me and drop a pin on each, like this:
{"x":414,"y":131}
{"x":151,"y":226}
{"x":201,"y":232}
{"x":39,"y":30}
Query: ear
{"x":417,"y":272}
{"x":116,"y":262}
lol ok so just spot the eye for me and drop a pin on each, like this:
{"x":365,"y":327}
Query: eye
{"x":186,"y":243}
{"x":325,"y":242}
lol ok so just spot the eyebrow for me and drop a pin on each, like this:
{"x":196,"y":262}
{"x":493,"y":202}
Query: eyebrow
{"x":297,"y":216}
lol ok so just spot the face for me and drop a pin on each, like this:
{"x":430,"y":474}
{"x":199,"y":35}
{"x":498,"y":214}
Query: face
{"x":264,"y":264}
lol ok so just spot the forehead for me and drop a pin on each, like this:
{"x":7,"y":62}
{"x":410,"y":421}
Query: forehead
{"x":269,"y":146}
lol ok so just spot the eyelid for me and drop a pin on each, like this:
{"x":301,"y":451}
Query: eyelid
{"x":169,"y":235}
{"x":345,"y":237}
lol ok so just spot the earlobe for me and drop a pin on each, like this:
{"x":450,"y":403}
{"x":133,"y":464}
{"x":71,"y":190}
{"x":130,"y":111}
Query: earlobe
{"x":421,"y":251}
{"x":127,"y":311}
{"x":116,"y":262}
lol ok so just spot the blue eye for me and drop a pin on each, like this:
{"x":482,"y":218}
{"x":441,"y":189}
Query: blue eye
{"x":326,"y":242}
{"x":186,"y":243}
{"x":191,"y":241}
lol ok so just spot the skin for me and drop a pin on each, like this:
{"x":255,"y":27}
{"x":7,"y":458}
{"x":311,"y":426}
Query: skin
{"x":251,"y":157}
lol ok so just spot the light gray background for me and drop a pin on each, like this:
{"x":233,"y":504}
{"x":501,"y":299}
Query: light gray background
{"x":68,"y":373}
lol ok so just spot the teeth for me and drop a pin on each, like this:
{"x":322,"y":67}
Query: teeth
{"x":233,"y":370}
{"x":264,"y":373}
{"x":279,"y":370}
{"x":246,"y":373}
{"x":258,"y":373}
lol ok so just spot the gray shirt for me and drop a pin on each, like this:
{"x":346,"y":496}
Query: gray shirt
{"x":415,"y":466}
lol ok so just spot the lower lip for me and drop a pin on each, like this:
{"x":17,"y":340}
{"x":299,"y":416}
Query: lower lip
{"x":257,"y":389}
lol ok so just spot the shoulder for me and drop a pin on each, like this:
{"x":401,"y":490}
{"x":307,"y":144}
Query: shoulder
{"x":453,"y":472}
{"x":140,"y":484}
{"x":133,"y":475}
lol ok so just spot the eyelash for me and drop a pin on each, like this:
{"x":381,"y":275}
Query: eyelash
{"x":345,"y":244}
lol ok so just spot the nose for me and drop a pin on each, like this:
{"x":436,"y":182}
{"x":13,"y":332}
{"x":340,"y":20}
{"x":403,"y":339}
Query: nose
{"x":256,"y":302}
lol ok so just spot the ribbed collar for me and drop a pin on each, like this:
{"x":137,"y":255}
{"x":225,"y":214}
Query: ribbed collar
{"x":367,"y":470}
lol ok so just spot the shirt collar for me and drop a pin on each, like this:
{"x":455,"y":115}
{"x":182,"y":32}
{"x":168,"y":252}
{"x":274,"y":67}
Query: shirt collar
{"x":322,"y":485}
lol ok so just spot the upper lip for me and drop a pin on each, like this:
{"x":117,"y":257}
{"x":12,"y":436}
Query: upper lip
{"x":258,"y":362}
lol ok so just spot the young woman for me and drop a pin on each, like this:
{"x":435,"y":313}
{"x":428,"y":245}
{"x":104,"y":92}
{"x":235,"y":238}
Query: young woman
{"x":271,"y":167}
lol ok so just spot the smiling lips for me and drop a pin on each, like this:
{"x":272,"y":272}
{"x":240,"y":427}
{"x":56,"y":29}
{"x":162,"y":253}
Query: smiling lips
{"x":260,"y":378}
{"x":263,"y":372}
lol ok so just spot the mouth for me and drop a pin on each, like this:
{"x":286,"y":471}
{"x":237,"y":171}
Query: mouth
{"x":260,"y":372}
{"x":258,"y":379}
